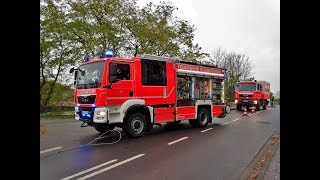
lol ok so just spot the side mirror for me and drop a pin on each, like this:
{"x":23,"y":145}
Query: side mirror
{"x":113,"y":79}
{"x":75,"y":77}
{"x":113,"y":69}
{"x":71,"y":70}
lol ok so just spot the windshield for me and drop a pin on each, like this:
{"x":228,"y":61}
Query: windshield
{"x":246,"y":87}
{"x":90,"y":75}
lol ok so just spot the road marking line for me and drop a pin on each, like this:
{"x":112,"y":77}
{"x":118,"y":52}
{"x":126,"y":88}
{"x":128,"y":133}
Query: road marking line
{"x":257,"y":112}
{"x":91,"y":169}
{"x":110,"y":167}
{"x":206,"y":130}
{"x":177,"y":140}
{"x":230,"y":121}
{"x":48,"y":150}
{"x":240,"y":118}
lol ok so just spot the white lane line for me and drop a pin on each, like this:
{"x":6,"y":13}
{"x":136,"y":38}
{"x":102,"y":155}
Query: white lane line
{"x":240,"y":118}
{"x":177,"y":140}
{"x":48,"y":150}
{"x":206,"y":130}
{"x":257,"y":112}
{"x":231,"y":121}
{"x":110,"y":167}
{"x":91,"y":169}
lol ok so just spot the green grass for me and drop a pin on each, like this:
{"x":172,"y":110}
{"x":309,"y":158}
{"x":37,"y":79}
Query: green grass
{"x":56,"y":116}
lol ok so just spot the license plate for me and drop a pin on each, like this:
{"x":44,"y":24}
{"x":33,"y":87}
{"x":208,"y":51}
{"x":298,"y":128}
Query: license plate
{"x":245,"y":101}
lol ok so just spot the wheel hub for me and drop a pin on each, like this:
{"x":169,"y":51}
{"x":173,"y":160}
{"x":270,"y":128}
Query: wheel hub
{"x":203,"y":117}
{"x":137,"y":125}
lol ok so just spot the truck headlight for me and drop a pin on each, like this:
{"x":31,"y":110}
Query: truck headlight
{"x":101,"y":113}
{"x":235,"y":101}
{"x":255,"y":102}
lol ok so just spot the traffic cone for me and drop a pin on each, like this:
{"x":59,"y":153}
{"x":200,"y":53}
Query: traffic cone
{"x":245,"y":111}
{"x":252,"y":109}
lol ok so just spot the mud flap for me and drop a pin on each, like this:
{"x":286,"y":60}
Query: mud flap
{"x":224,"y":113}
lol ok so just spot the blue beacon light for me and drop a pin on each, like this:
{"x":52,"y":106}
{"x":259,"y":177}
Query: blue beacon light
{"x":109,"y":53}
{"x":86,"y":58}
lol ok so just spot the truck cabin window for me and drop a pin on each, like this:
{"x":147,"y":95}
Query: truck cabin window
{"x":90,"y":75}
{"x":123,"y":72}
{"x":246,"y":87}
{"x":153,"y":72}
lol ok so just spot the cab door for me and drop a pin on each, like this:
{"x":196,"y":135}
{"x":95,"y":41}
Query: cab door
{"x":122,"y":89}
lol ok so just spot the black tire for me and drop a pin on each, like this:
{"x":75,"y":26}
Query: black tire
{"x":228,"y":109}
{"x":264,"y":107}
{"x":103,"y":128}
{"x":202,"y":119}
{"x":135,"y":125}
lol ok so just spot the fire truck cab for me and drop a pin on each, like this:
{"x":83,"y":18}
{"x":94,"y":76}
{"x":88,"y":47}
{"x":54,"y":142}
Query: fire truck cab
{"x":254,"y":94}
{"x":137,"y":93}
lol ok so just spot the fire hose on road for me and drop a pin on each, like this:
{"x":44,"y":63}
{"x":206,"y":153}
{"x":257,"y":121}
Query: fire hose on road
{"x":90,"y":143}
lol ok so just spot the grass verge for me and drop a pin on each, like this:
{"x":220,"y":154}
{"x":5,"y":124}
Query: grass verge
{"x":56,"y":116}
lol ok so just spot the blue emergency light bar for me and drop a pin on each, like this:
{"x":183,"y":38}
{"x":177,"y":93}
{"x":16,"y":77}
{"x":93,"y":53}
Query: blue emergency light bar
{"x":86,"y":58}
{"x":109,"y":53}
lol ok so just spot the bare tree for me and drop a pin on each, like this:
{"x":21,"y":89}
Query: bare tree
{"x":238,"y":66}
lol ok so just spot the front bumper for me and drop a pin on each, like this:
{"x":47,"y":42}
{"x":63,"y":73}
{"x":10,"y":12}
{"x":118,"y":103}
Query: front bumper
{"x":246,"y":102}
{"x":92,"y":114}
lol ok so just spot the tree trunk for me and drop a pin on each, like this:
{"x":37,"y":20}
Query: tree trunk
{"x":45,"y":102}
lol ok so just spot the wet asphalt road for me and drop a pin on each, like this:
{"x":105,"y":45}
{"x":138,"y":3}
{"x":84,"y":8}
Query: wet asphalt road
{"x":222,"y":152}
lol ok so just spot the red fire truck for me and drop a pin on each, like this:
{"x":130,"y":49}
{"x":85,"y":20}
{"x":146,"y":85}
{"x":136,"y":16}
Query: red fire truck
{"x":137,"y":93}
{"x":252,"y":94}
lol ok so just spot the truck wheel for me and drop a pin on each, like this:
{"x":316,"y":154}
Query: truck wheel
{"x":228,"y":109}
{"x":104,"y":128}
{"x":264,"y":107}
{"x":202,"y":119}
{"x":135,"y":125}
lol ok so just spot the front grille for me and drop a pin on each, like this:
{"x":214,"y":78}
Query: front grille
{"x":245,"y":95}
{"x":86,"y":109}
{"x":86,"y":99}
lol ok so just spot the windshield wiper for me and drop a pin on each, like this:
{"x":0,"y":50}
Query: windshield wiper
{"x":93,"y":85}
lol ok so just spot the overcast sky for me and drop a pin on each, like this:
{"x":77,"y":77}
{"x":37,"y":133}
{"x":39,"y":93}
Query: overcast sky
{"x":245,"y":26}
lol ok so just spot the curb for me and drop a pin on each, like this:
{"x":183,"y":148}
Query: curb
{"x":257,"y":167}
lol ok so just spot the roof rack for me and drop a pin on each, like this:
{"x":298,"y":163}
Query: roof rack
{"x":154,"y":57}
{"x":161,"y":58}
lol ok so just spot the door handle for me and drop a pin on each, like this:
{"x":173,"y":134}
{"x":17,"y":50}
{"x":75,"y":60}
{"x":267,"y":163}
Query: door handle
{"x":131,"y":93}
